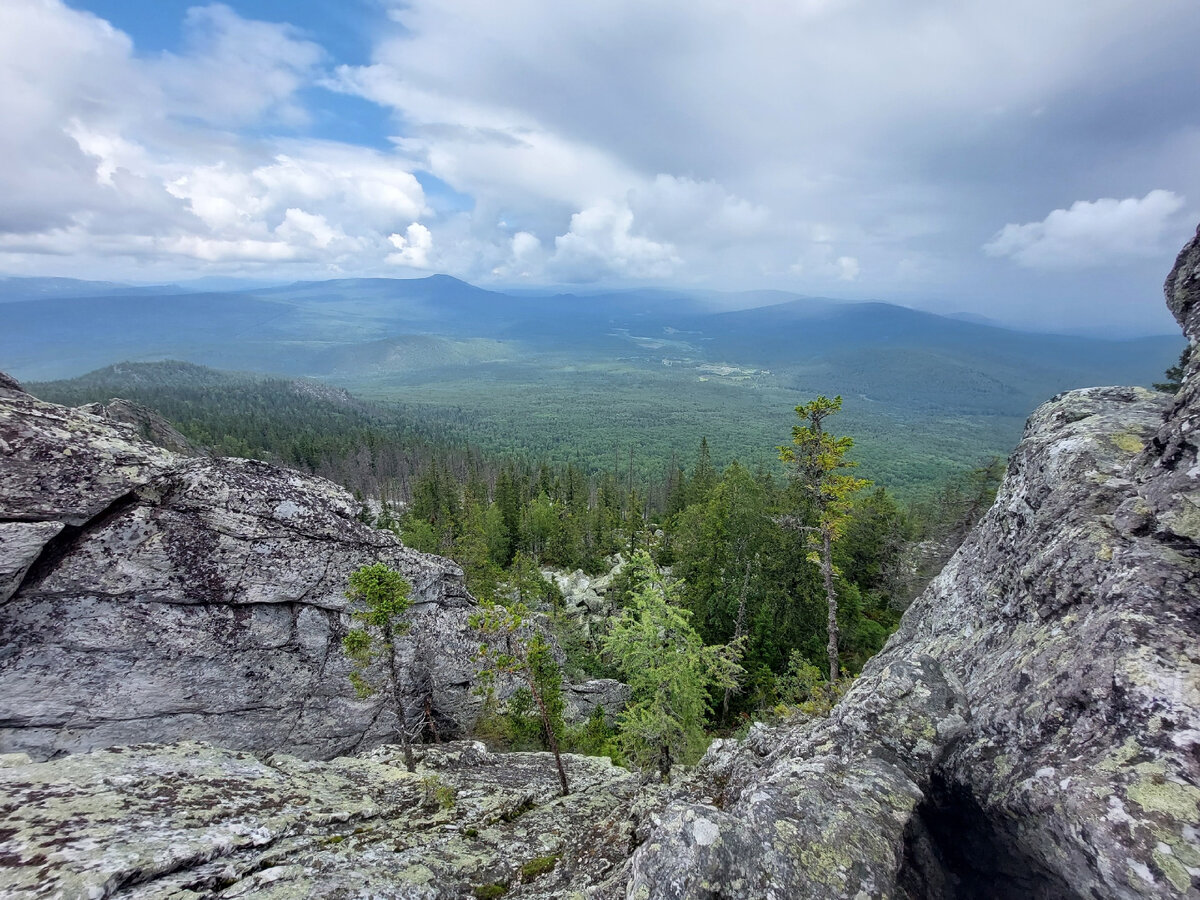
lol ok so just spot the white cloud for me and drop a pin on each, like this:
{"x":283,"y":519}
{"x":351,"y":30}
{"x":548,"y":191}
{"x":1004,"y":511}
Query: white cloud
{"x":601,"y":243}
{"x":847,"y":268}
{"x":1103,"y":232}
{"x":764,"y":144}
{"x":123,"y":161}
{"x":413,"y":247}
{"x":236,"y":71}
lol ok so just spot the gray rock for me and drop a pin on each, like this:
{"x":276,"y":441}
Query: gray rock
{"x":1031,"y":729}
{"x":582,"y":699}
{"x":146,"y":423}
{"x":20,"y":545}
{"x":153,"y":597}
{"x":192,"y":820}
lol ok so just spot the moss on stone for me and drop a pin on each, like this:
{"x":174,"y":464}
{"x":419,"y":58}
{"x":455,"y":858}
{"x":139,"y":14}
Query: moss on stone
{"x":538,"y":866}
{"x":1174,"y":870}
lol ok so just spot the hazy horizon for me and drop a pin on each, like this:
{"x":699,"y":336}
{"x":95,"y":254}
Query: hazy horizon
{"x":1032,"y":165}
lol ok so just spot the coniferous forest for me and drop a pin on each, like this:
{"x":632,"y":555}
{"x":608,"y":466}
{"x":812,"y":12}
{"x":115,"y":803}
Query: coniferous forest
{"x":727,"y":545}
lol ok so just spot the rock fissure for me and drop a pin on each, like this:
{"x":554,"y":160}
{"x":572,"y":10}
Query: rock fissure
{"x":69,"y":537}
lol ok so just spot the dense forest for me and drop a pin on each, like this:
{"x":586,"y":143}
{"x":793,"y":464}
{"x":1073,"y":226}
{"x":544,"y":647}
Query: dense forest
{"x":730,"y":546}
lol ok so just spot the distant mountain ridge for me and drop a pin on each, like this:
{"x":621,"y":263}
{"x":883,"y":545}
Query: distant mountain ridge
{"x":571,"y":374}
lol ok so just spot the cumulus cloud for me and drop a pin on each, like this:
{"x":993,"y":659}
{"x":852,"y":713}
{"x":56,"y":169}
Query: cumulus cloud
{"x":412,"y":247}
{"x":1093,"y":233}
{"x":127,"y":161}
{"x":601,"y":242}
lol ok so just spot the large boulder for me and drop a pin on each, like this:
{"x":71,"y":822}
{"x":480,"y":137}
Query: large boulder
{"x":147,"y":596}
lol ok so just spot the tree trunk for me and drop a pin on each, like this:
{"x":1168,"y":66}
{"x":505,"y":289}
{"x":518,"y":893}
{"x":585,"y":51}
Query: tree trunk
{"x":831,"y":599}
{"x":738,"y":628}
{"x":551,"y":737}
{"x":401,"y":719}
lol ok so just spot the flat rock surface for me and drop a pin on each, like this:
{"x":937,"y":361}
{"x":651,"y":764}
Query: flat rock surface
{"x":190,"y":820}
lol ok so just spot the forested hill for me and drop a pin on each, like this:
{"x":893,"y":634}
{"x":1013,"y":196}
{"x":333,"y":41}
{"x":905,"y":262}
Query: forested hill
{"x":583,"y":379}
{"x":371,"y":448}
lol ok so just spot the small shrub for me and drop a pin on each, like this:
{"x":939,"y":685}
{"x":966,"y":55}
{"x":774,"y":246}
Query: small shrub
{"x":437,"y":793}
{"x":490,"y":891}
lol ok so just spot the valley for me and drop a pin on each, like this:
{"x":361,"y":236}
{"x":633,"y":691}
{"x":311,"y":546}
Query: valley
{"x":585,"y":379}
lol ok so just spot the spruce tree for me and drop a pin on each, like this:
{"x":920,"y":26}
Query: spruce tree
{"x":818,"y":463}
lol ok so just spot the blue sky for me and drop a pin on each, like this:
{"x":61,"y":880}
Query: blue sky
{"x":1032,"y":162}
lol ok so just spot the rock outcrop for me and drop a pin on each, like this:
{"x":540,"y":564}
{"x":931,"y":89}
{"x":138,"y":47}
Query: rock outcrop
{"x":1032,"y":729}
{"x":146,"y":423}
{"x":192,"y":820}
{"x":146,"y":596}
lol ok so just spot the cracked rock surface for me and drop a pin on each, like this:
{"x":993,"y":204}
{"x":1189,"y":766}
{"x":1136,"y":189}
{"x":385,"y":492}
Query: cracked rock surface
{"x":146,"y":596}
{"x":190,"y":820}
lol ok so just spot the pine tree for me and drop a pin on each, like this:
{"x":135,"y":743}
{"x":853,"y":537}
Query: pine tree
{"x":381,"y":598}
{"x":510,"y":648}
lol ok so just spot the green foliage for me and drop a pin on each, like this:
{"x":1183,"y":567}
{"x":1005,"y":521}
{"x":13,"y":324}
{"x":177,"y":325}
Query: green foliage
{"x":669,"y":670}
{"x":362,"y":688}
{"x":511,"y":648}
{"x":1175,"y":374}
{"x":817,"y":460}
{"x":381,"y":599}
{"x":538,"y":866}
{"x":437,"y":793}
{"x":420,"y":535}
{"x":383,"y":593}
{"x":490,"y":891}
{"x":801,"y":680}
{"x":596,"y":737}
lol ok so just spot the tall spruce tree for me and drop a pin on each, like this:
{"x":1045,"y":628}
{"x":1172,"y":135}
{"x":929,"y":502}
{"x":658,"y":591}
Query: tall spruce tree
{"x":818,"y":464}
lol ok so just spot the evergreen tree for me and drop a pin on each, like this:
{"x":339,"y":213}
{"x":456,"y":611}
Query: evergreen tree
{"x":818,"y":462}
{"x":381,"y":598}
{"x":704,"y":476}
{"x":669,"y":670}
{"x":1175,"y":374}
{"x":511,"y":648}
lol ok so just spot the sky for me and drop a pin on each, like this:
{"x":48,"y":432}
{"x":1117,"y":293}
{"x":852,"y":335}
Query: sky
{"x":1033,"y":162}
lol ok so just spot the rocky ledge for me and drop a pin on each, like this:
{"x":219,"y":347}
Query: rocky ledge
{"x":1031,"y":731}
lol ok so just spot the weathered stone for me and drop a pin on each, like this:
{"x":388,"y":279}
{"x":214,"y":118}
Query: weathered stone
{"x":191,"y":820}
{"x":583,"y":698}
{"x":146,"y":424}
{"x":20,"y":545}
{"x":154,"y":597}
